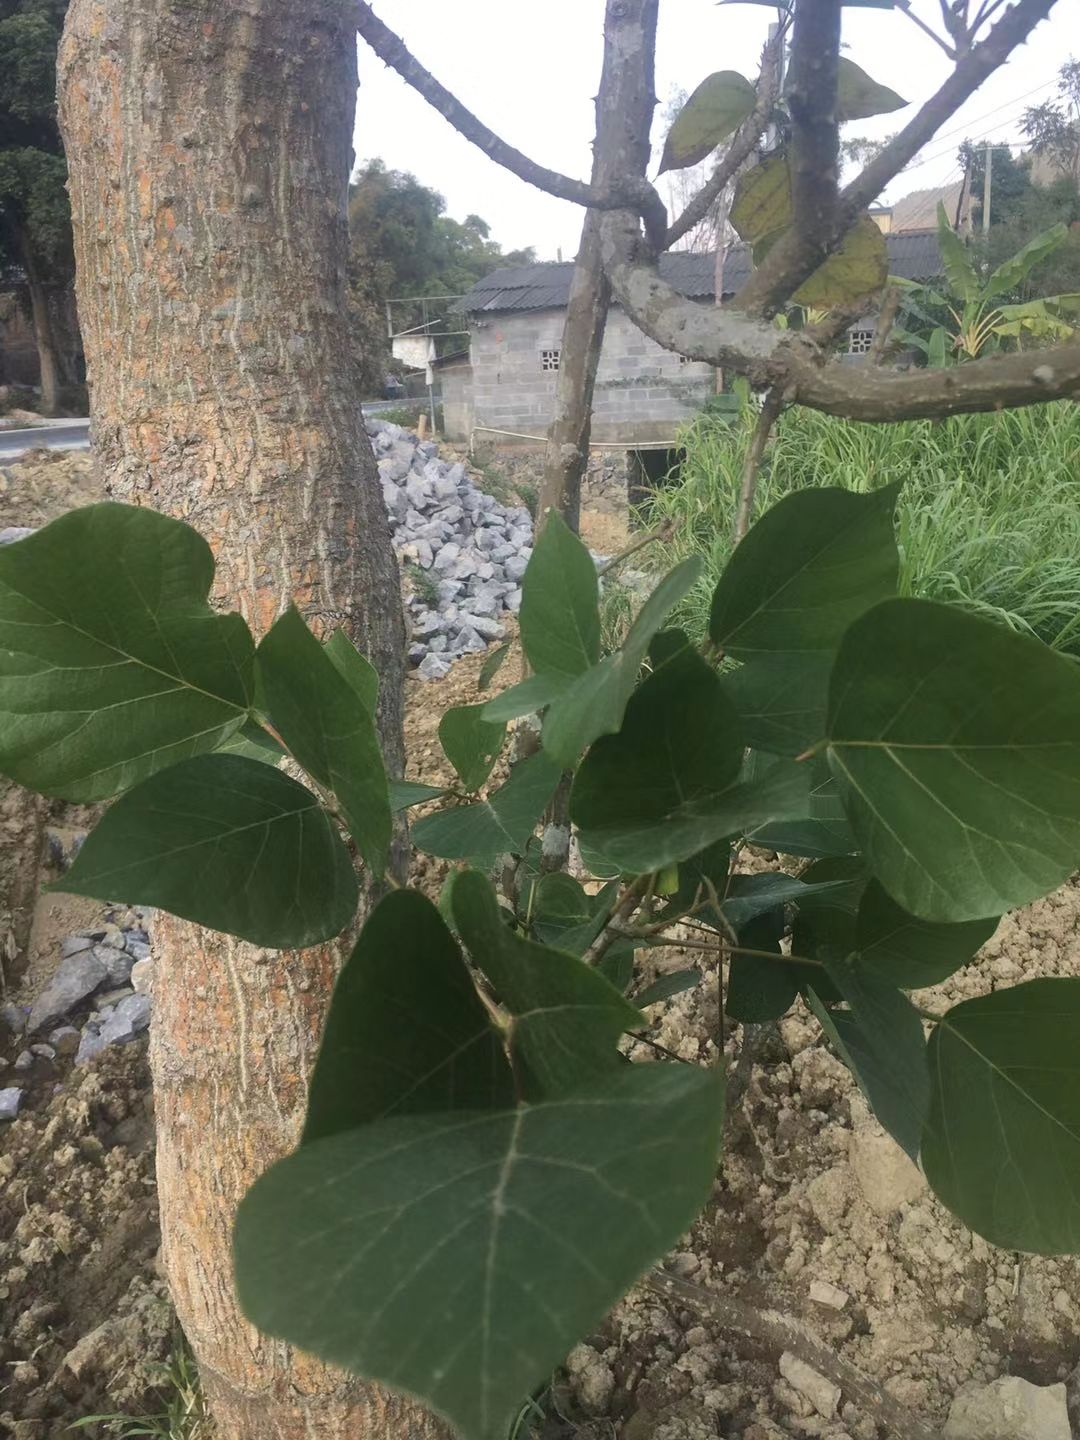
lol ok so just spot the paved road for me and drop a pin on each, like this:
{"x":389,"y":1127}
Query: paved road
{"x":75,"y":434}
{"x":52,"y":434}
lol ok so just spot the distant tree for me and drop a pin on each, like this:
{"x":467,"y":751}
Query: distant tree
{"x":1054,"y":126}
{"x":1010,"y":177}
{"x":403,"y":244}
{"x":35,"y":219}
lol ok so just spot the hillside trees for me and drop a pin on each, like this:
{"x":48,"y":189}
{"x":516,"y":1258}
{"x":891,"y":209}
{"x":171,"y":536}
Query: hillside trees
{"x":35,"y":218}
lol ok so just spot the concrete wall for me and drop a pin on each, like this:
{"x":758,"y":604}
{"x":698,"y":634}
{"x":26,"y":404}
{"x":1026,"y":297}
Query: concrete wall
{"x":457,"y":399}
{"x":643,"y":393}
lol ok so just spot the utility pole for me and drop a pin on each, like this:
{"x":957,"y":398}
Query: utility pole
{"x":987,"y":181}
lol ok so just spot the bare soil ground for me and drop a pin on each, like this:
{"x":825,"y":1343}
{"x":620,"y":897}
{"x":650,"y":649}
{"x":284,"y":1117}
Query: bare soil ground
{"x":815,"y":1212}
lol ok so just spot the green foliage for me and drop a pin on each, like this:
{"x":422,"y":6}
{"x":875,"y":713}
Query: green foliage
{"x":482,"y":1172}
{"x":987,"y":514}
{"x":859,"y":97}
{"x":714,"y":111}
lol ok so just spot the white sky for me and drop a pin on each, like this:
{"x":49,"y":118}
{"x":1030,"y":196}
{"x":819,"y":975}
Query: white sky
{"x":530,"y":71}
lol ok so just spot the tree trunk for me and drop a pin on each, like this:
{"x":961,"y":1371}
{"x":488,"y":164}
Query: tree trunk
{"x":44,"y":336}
{"x":209,"y":150}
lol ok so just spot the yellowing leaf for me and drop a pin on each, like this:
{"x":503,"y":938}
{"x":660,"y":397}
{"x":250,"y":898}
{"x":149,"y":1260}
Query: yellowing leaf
{"x":858,"y":96}
{"x":762,"y":204}
{"x":859,"y":267}
{"x":714,"y":111}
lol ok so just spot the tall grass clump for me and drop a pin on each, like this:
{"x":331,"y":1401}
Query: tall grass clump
{"x":989,"y":513}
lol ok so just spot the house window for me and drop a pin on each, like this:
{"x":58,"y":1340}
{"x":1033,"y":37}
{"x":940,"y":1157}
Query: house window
{"x":549,"y":359}
{"x":684,"y":359}
{"x":860,"y":341}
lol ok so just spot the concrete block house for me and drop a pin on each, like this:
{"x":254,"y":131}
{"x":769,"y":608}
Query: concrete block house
{"x":501,"y":392}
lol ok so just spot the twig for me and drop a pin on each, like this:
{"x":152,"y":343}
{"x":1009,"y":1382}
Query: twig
{"x":886,"y":320}
{"x":905,"y":7}
{"x":770,"y":411}
{"x":633,"y":192}
{"x":663,"y":532}
{"x":655,"y":1045}
{"x":610,"y":933}
{"x":783,"y":1332}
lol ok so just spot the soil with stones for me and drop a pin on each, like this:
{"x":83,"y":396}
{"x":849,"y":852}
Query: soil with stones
{"x":816,"y":1213}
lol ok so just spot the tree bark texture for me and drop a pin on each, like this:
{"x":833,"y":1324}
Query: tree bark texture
{"x":209,"y":146}
{"x":619,"y":151}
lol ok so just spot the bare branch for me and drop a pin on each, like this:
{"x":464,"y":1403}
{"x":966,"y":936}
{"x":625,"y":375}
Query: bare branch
{"x":770,"y":412}
{"x":905,"y":8}
{"x":883,"y":330}
{"x":783,"y":1332}
{"x":632,"y":191}
{"x":741,"y":147}
{"x":719,"y":335}
{"x":789,"y":262}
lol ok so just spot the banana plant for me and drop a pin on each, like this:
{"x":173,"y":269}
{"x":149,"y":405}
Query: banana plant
{"x":977,"y":320}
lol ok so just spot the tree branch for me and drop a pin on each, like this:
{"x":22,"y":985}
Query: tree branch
{"x":791,"y":361}
{"x":905,"y":8}
{"x":770,"y":412}
{"x":740,"y":149}
{"x":883,"y":330}
{"x":789,"y":262}
{"x":784,"y":1332}
{"x":631,"y":191}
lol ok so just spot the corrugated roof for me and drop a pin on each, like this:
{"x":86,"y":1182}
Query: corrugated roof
{"x":547,"y":287}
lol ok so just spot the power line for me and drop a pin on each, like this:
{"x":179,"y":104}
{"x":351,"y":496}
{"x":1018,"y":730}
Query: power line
{"x":961,"y":129}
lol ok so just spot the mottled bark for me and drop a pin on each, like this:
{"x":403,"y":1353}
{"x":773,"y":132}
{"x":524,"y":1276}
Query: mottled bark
{"x":209,"y":151}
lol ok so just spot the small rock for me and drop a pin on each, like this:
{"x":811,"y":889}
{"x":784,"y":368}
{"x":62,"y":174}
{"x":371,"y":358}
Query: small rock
{"x":76,"y":977}
{"x":108,"y":998}
{"x":822,"y":1393}
{"x":433,"y":668}
{"x":886,"y":1177}
{"x":42,"y":1051}
{"x":448,"y":556}
{"x":591,"y":1377}
{"x":1007,"y":1409}
{"x":11,"y":1099}
{"x":142,"y":976}
{"x":75,"y":945}
{"x":130,"y":1018}
{"x":515,"y":567}
{"x":117,"y":963}
{"x":90,"y":1045}
{"x":138,"y":949}
{"x":65,"y":1039}
{"x":831,"y":1296}
{"x":489,"y":629}
{"x":13,"y":1018}
{"x":23,"y":1061}
{"x":8,"y":536}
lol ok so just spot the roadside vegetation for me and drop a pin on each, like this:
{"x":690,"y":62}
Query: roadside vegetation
{"x":988,"y":516}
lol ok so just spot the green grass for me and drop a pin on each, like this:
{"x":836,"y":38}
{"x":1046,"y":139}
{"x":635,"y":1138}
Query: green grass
{"x":989,"y":514}
{"x":183,"y":1415}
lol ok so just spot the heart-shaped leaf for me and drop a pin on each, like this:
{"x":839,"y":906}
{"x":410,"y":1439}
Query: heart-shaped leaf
{"x":354,"y":667}
{"x":593,"y":704}
{"x":899,"y":949}
{"x":471,"y":743}
{"x":781,"y":700}
{"x":858,"y":96}
{"x":859,"y":267}
{"x":824,"y":830}
{"x":106,"y":679}
{"x":956,"y":744}
{"x":406,"y":965}
{"x":329,"y":727}
{"x":458,"y":1256}
{"x":566,"y":1018}
{"x":762,"y":203}
{"x":1002,"y":1143}
{"x":560,"y":615}
{"x":503,"y":822}
{"x":714,"y":111}
{"x":228,"y":842}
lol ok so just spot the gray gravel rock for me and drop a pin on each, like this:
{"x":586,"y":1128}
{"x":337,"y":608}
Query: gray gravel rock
{"x":76,"y":977}
{"x":90,"y":1046}
{"x":12,"y":533}
{"x":75,"y":945}
{"x":117,"y":963}
{"x":142,"y":976}
{"x":11,"y":1100}
{"x":23,"y":1060}
{"x":65,"y":1039}
{"x":130,"y":1018}
{"x":433,"y":667}
{"x":13,"y":1018}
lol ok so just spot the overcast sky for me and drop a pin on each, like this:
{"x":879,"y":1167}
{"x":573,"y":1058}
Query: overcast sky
{"x":530,"y":71}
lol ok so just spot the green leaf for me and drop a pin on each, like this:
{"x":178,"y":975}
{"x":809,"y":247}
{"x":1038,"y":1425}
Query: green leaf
{"x":809,"y":567}
{"x":254,"y":743}
{"x":675,"y":982}
{"x":526,"y":697}
{"x":956,"y":745}
{"x":959,"y":269}
{"x":405,"y":793}
{"x":860,"y":266}
{"x":668,"y":784}
{"x":899,"y":949}
{"x":406,"y":969}
{"x":858,"y":97}
{"x":560,"y":614}
{"x":824,"y":830}
{"x":884,"y":1047}
{"x":753,"y":895}
{"x":329,"y":728}
{"x":781,"y":700}
{"x":480,"y":1247}
{"x":714,"y":111}
{"x":762,"y":203}
{"x":761,"y":990}
{"x":567,"y":1018}
{"x":228,"y":842}
{"x":503,"y":822}
{"x":354,"y":667}
{"x":594,"y":703}
{"x":1002,"y":1143}
{"x":106,"y":678}
{"x":472,"y":744}
{"x":492,"y":665}
{"x":1012,"y":272}
{"x":559,"y":907}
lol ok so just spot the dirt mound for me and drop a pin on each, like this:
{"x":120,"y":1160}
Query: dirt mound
{"x":86,"y":1315}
